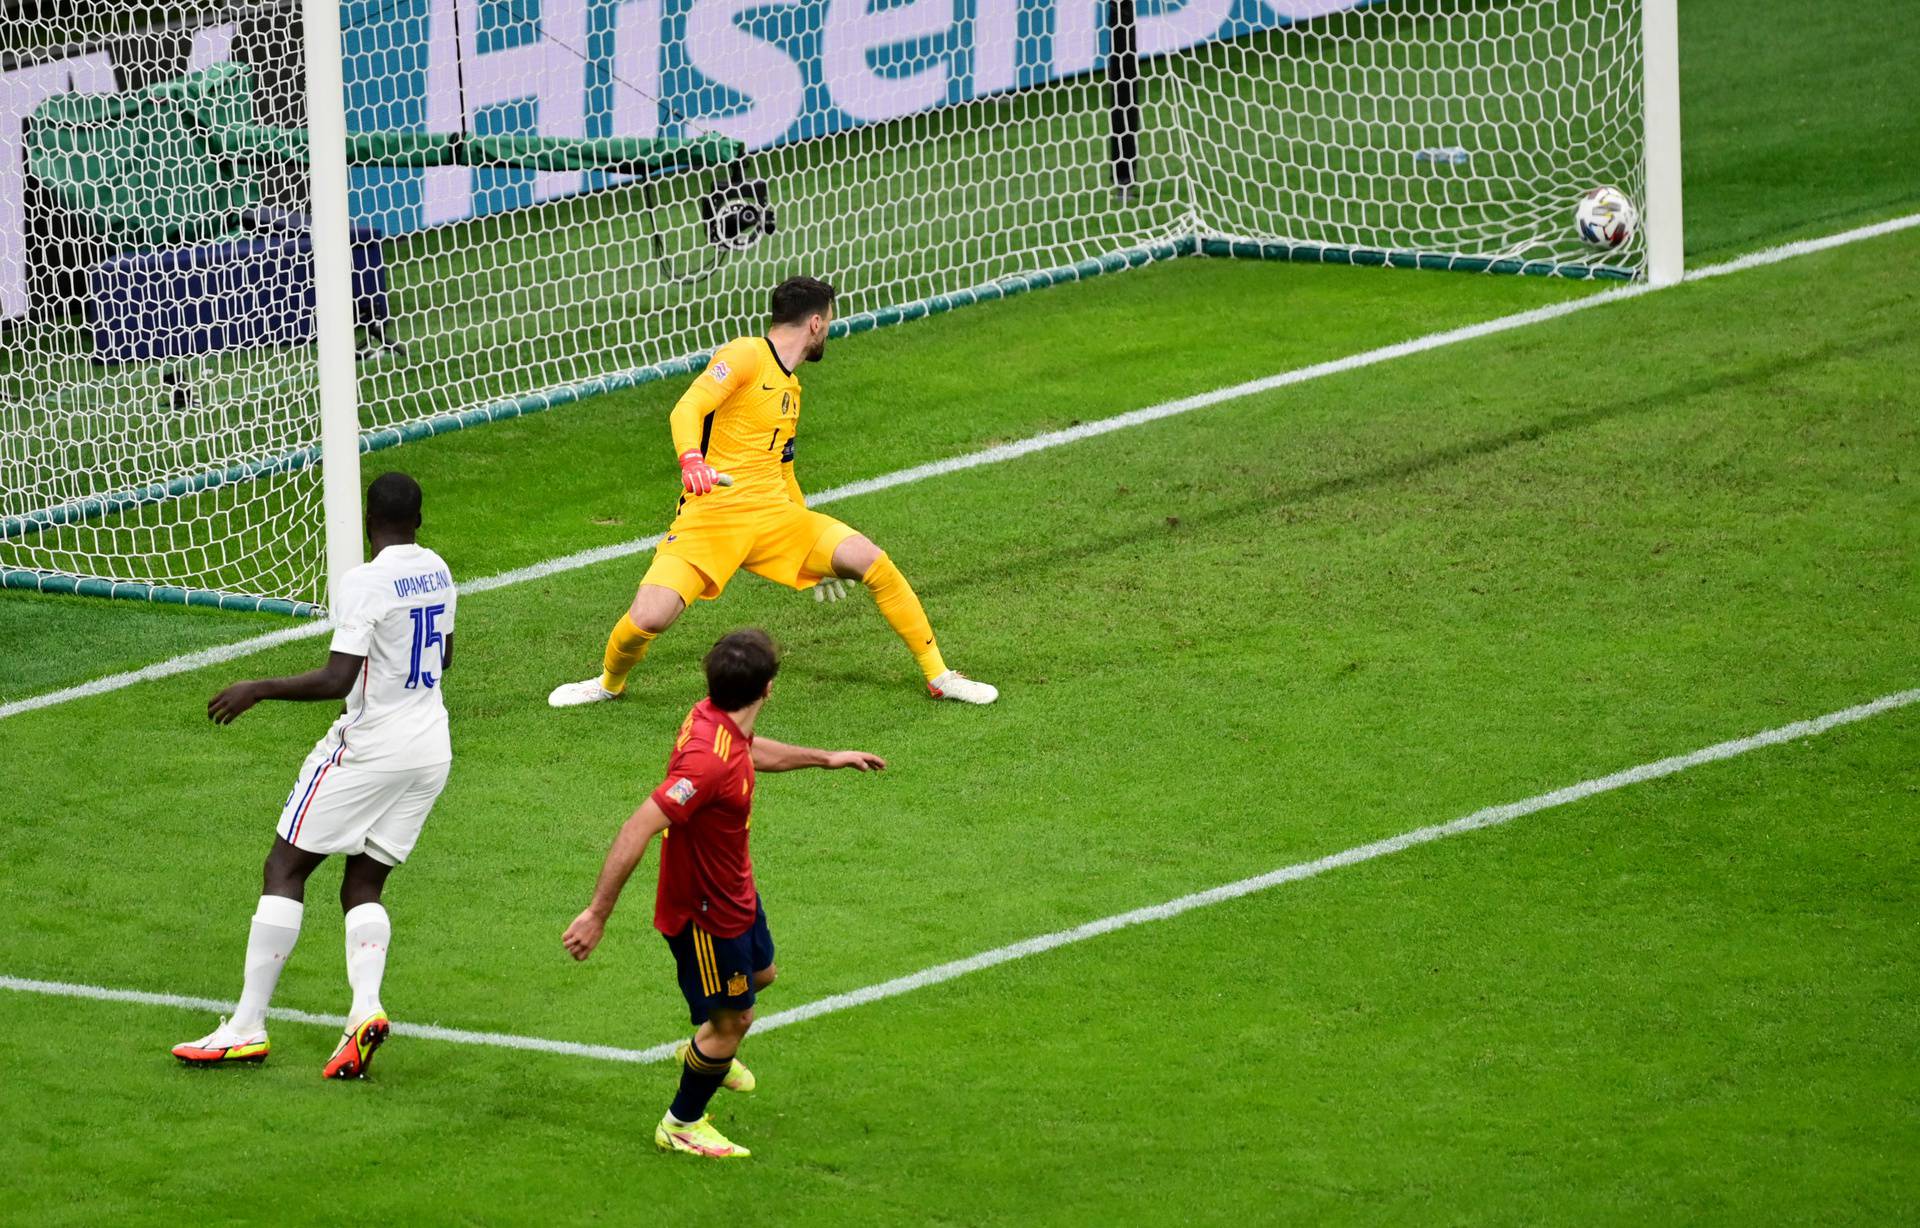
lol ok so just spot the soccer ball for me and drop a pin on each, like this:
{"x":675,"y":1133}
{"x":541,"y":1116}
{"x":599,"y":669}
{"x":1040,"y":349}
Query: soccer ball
{"x":1605,"y":217}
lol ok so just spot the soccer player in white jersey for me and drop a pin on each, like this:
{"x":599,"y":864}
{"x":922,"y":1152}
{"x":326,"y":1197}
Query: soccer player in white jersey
{"x":367,"y":787}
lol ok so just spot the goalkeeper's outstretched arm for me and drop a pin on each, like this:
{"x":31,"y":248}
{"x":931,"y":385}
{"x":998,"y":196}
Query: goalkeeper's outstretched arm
{"x":692,"y":414}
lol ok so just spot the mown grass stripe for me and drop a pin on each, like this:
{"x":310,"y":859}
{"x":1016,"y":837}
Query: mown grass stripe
{"x":1479,"y":820}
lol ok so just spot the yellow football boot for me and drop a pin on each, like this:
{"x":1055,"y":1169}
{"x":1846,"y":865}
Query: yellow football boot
{"x":699,"y":1138}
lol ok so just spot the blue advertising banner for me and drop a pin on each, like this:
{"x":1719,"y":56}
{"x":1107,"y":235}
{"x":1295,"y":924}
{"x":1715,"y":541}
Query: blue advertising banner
{"x":763,"y":73}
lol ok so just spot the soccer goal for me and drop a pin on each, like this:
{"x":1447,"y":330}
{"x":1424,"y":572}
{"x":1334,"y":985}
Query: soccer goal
{"x":241,"y":245}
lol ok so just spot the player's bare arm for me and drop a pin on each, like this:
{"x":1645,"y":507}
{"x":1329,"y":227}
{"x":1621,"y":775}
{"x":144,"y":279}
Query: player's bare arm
{"x":772,"y":756}
{"x":331,"y":681}
{"x":629,"y":847}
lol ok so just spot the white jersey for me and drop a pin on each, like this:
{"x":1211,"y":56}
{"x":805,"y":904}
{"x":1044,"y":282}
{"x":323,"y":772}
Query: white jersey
{"x":397,"y":612}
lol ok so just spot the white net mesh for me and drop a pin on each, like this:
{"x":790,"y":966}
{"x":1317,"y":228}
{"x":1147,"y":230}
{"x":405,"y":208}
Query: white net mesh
{"x":558,"y":197}
{"x":1446,"y":130}
{"x":152,"y":359}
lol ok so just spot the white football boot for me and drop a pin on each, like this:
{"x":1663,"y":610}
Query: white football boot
{"x":957,"y":686}
{"x":224,"y":1044}
{"x":573,"y":694}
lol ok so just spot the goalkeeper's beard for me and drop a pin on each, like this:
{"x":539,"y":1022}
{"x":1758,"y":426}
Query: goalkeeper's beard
{"x":818,"y":351}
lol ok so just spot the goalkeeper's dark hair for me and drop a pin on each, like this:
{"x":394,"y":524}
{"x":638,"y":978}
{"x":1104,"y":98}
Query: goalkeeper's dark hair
{"x":393,"y":501}
{"x":796,"y":298}
{"x":739,"y":668}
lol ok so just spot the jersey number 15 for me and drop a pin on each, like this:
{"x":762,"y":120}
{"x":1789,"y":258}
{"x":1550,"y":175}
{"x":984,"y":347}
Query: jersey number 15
{"x":425,"y":636}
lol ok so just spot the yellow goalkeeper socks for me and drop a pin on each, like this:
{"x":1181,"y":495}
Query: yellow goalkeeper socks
{"x":904,"y":614}
{"x":626,"y":647}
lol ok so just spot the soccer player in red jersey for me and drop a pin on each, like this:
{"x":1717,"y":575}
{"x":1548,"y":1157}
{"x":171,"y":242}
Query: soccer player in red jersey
{"x":707,"y":906}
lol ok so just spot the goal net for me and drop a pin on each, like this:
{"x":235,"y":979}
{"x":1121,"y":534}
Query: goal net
{"x":557,"y":198}
{"x":1430,"y":133}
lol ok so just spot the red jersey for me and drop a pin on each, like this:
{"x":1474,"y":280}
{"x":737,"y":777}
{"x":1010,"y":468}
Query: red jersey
{"x":706,"y":873}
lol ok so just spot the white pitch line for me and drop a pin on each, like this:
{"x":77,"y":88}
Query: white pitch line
{"x":425,"y":1031}
{"x":1805,"y":247}
{"x":1005,"y":452}
{"x":169,"y":667}
{"x":1492,"y":816}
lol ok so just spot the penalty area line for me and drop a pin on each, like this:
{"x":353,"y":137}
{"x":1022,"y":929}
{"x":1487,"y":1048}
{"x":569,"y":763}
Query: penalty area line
{"x":1006,"y":452}
{"x":1479,"y":820}
{"x":1492,"y":816}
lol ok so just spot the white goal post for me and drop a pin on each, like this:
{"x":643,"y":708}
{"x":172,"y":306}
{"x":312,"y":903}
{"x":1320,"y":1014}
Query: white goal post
{"x":337,"y":386}
{"x":244,"y":241}
{"x":1660,"y":69}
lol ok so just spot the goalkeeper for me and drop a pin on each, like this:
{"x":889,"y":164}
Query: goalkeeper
{"x":739,"y":419}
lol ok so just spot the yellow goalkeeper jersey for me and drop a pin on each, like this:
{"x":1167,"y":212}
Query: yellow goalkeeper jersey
{"x":742,"y":413}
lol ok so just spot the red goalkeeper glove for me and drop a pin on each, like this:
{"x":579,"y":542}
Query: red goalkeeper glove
{"x":695,"y":473}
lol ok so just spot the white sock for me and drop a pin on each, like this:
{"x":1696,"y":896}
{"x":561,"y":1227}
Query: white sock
{"x":368,"y":933}
{"x":276,"y":927}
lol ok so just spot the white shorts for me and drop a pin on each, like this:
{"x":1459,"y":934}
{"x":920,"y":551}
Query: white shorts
{"x":340,"y":808}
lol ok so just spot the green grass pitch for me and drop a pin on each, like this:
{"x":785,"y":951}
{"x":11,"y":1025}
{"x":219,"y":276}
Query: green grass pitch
{"x":1248,"y":637}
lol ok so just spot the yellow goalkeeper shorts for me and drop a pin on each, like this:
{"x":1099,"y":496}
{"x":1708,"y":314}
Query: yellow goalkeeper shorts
{"x":784,"y":543}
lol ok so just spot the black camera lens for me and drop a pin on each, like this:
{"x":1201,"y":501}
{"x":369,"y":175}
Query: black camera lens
{"x":736,"y":212}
